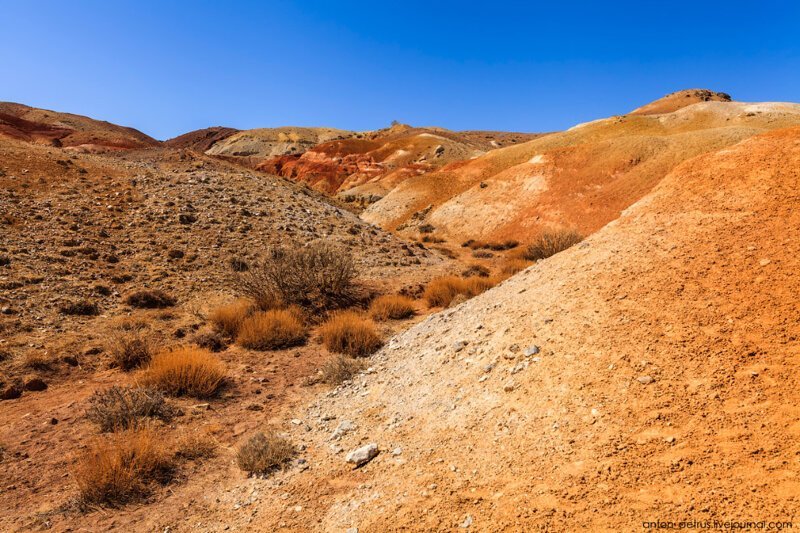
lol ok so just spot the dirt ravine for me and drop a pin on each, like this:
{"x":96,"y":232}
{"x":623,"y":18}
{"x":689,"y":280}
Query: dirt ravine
{"x":664,"y":386}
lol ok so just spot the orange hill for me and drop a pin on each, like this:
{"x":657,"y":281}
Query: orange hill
{"x":580,"y":178}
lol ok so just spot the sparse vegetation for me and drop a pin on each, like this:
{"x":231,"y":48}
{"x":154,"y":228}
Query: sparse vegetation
{"x":130,"y":349}
{"x":476,"y":270}
{"x":391,"y":306}
{"x":123,"y":467}
{"x":189,"y":371}
{"x":228,"y":318}
{"x":350,"y":333}
{"x":317,"y":277}
{"x":264,"y":452}
{"x":513,"y":265}
{"x":272,"y":330}
{"x":496,"y":246}
{"x":150,"y":299}
{"x":340,"y":368}
{"x":121,"y":408}
{"x":441,"y":292}
{"x":193,"y":445}
{"x":550,"y":243}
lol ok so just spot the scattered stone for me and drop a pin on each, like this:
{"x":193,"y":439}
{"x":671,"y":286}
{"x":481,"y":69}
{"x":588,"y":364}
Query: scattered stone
{"x":508,"y":387}
{"x":645,"y":380}
{"x":344,"y":427}
{"x":397,"y":451}
{"x":460,"y":345}
{"x":670,"y":440}
{"x":531,"y":350}
{"x":466,"y":523}
{"x":363,"y":455}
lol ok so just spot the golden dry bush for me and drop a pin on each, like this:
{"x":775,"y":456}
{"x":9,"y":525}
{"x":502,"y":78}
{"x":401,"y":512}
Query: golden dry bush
{"x":441,"y":291}
{"x":512,"y":265}
{"x":273,"y":330}
{"x":264,"y":452}
{"x":350,"y":333}
{"x":474,"y":286}
{"x":391,"y":306}
{"x":193,"y":445}
{"x":130,"y":348}
{"x":189,"y":371}
{"x":228,"y":318}
{"x":123,"y":467}
{"x":550,"y":243}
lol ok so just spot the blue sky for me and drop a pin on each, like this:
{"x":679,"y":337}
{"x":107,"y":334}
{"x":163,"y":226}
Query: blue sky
{"x":169,"y":67}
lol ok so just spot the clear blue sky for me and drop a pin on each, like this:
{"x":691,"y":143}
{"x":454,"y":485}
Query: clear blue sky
{"x":169,"y":67}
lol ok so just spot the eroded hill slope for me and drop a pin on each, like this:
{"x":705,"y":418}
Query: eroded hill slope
{"x":18,"y":121}
{"x":581,"y":178}
{"x":664,"y":387}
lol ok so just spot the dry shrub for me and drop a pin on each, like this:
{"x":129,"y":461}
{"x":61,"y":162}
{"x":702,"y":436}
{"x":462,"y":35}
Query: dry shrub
{"x":228,"y":318}
{"x":123,"y":467}
{"x":317,"y":277}
{"x":130,"y":348}
{"x":263,"y":453}
{"x":272,"y":330}
{"x":441,"y":291}
{"x":193,"y":445}
{"x":550,"y":243}
{"x":350,"y":333}
{"x":340,"y":369}
{"x":391,"y":306}
{"x":496,"y":246}
{"x":513,"y":265}
{"x":210,"y":340}
{"x":474,"y":286}
{"x":121,"y":408}
{"x":150,"y":299}
{"x":189,"y":371}
{"x":476,"y":270}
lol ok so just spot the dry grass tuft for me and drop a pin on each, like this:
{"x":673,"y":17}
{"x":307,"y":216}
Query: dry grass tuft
{"x":513,"y":265}
{"x":340,"y":369}
{"x":122,"y":468}
{"x":228,"y":318}
{"x":475,"y":286}
{"x":391,"y":306}
{"x":121,"y":408}
{"x":272,"y":330}
{"x":130,"y":348}
{"x":550,"y":243}
{"x":188,"y":371}
{"x":193,"y":445}
{"x":350,"y":333}
{"x":263,"y":453}
{"x":317,"y":277}
{"x":441,"y":291}
{"x":476,"y":269}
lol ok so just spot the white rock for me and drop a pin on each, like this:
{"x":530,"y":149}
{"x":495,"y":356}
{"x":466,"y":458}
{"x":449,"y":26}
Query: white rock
{"x":362,"y":455}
